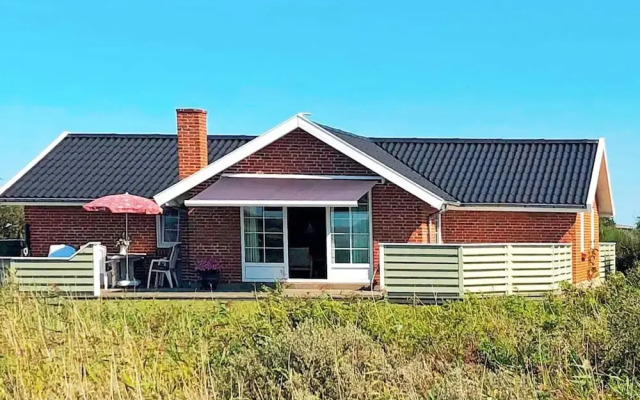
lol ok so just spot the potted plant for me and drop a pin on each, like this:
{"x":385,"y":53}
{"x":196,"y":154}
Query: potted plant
{"x":209,"y":270}
{"x":123,"y":244}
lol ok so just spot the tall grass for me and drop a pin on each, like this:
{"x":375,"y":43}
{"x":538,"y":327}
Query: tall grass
{"x":582,"y":344}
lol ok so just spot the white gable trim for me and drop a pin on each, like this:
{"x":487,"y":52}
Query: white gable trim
{"x":371,"y":163}
{"x":33,"y":162}
{"x":297,"y":121}
{"x":601,"y":182}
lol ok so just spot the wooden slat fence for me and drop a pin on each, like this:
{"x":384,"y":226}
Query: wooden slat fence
{"x":77,"y":274}
{"x":427,"y":273}
{"x":607,"y":253}
{"x":438,"y":272}
{"x":523,"y":269}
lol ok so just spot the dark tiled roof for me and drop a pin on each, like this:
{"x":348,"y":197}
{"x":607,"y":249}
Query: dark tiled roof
{"x":373,"y":150}
{"x":540,"y":172}
{"x":530,"y":172}
{"x":87,"y":166}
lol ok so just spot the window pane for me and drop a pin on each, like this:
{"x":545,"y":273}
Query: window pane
{"x":273,"y":212}
{"x":341,"y":226}
{"x":360,"y":256}
{"x":341,"y":212}
{"x":253,"y":240}
{"x":171,"y":236}
{"x":253,"y":225}
{"x":360,"y":225}
{"x":170,"y":212}
{"x":171,"y":222}
{"x":274,"y":255}
{"x":342,"y":256}
{"x":360,"y":241}
{"x":273,"y":240}
{"x":253,"y":211}
{"x":273,"y":225}
{"x":253,"y":255}
{"x":341,"y":241}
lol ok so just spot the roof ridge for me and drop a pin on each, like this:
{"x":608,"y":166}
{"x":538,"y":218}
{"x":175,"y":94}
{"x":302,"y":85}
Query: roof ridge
{"x":171,"y":136}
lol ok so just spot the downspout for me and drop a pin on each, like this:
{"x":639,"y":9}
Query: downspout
{"x":444,"y":209}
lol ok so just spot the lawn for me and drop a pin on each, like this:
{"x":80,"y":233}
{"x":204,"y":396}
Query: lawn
{"x":581,"y":344}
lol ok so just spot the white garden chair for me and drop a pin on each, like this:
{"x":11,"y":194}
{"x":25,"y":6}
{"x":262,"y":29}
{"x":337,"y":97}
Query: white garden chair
{"x":165,"y":267}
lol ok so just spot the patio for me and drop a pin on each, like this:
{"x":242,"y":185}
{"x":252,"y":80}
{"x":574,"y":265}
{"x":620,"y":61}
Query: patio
{"x":229,"y":292}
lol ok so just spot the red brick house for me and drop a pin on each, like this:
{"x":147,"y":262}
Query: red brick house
{"x":303,"y":191}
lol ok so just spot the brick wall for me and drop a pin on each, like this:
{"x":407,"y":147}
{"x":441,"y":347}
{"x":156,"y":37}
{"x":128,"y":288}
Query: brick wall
{"x":74,"y":226}
{"x":214,"y":231}
{"x":506,"y":227}
{"x":586,"y":263}
{"x":299,"y":153}
{"x":520,"y":227}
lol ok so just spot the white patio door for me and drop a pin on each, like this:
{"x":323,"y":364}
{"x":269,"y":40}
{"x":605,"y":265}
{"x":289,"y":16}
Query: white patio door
{"x":264,"y":243}
{"x":350,"y":243}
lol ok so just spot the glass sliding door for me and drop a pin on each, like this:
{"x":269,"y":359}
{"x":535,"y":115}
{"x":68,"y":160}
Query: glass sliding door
{"x":350,"y":234}
{"x":264,"y":254}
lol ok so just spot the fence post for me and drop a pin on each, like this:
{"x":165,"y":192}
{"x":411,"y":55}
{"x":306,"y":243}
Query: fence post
{"x":509,"y":268}
{"x":381,"y":261}
{"x":98,"y":259}
{"x":460,"y":271}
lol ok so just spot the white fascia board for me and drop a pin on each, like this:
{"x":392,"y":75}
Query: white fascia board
{"x":595,"y":184}
{"x":371,"y":163}
{"x":33,"y":162}
{"x":507,"y":208}
{"x":595,"y":173}
{"x":227,"y":161}
{"x":276,"y":133}
{"x":269,"y":203}
{"x":610,"y":191}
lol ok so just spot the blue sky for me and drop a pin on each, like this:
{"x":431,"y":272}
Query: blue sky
{"x":543,"y":69}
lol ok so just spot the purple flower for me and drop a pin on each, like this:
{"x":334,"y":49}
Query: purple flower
{"x":208,"y":264}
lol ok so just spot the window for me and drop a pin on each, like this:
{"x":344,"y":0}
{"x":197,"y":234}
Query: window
{"x":350,"y":234}
{"x":168,"y":227}
{"x":263,"y":235}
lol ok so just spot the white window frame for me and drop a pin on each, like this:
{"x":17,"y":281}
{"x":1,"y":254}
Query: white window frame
{"x":337,"y":266}
{"x":161,"y":243}
{"x":283,"y":265}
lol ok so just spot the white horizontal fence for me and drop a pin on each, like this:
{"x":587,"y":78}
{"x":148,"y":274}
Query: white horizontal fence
{"x":432,"y":272}
{"x":607,"y":253}
{"x":75,"y":275}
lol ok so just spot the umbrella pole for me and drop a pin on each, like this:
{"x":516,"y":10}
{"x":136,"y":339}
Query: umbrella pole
{"x":126,"y":237}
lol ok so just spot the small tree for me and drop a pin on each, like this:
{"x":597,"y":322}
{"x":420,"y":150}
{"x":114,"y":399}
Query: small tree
{"x":11,"y":222}
{"x":627,"y":243}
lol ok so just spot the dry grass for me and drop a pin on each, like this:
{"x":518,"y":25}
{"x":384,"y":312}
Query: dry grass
{"x":580,"y":345}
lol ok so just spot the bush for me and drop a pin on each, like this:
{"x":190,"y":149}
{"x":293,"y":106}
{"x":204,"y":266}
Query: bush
{"x":627,"y":245}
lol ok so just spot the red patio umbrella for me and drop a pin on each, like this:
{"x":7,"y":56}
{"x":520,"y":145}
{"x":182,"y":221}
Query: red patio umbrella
{"x":124,"y":204}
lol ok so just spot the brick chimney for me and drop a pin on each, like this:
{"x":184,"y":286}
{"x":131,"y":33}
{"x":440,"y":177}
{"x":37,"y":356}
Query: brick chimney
{"x":192,"y":141}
